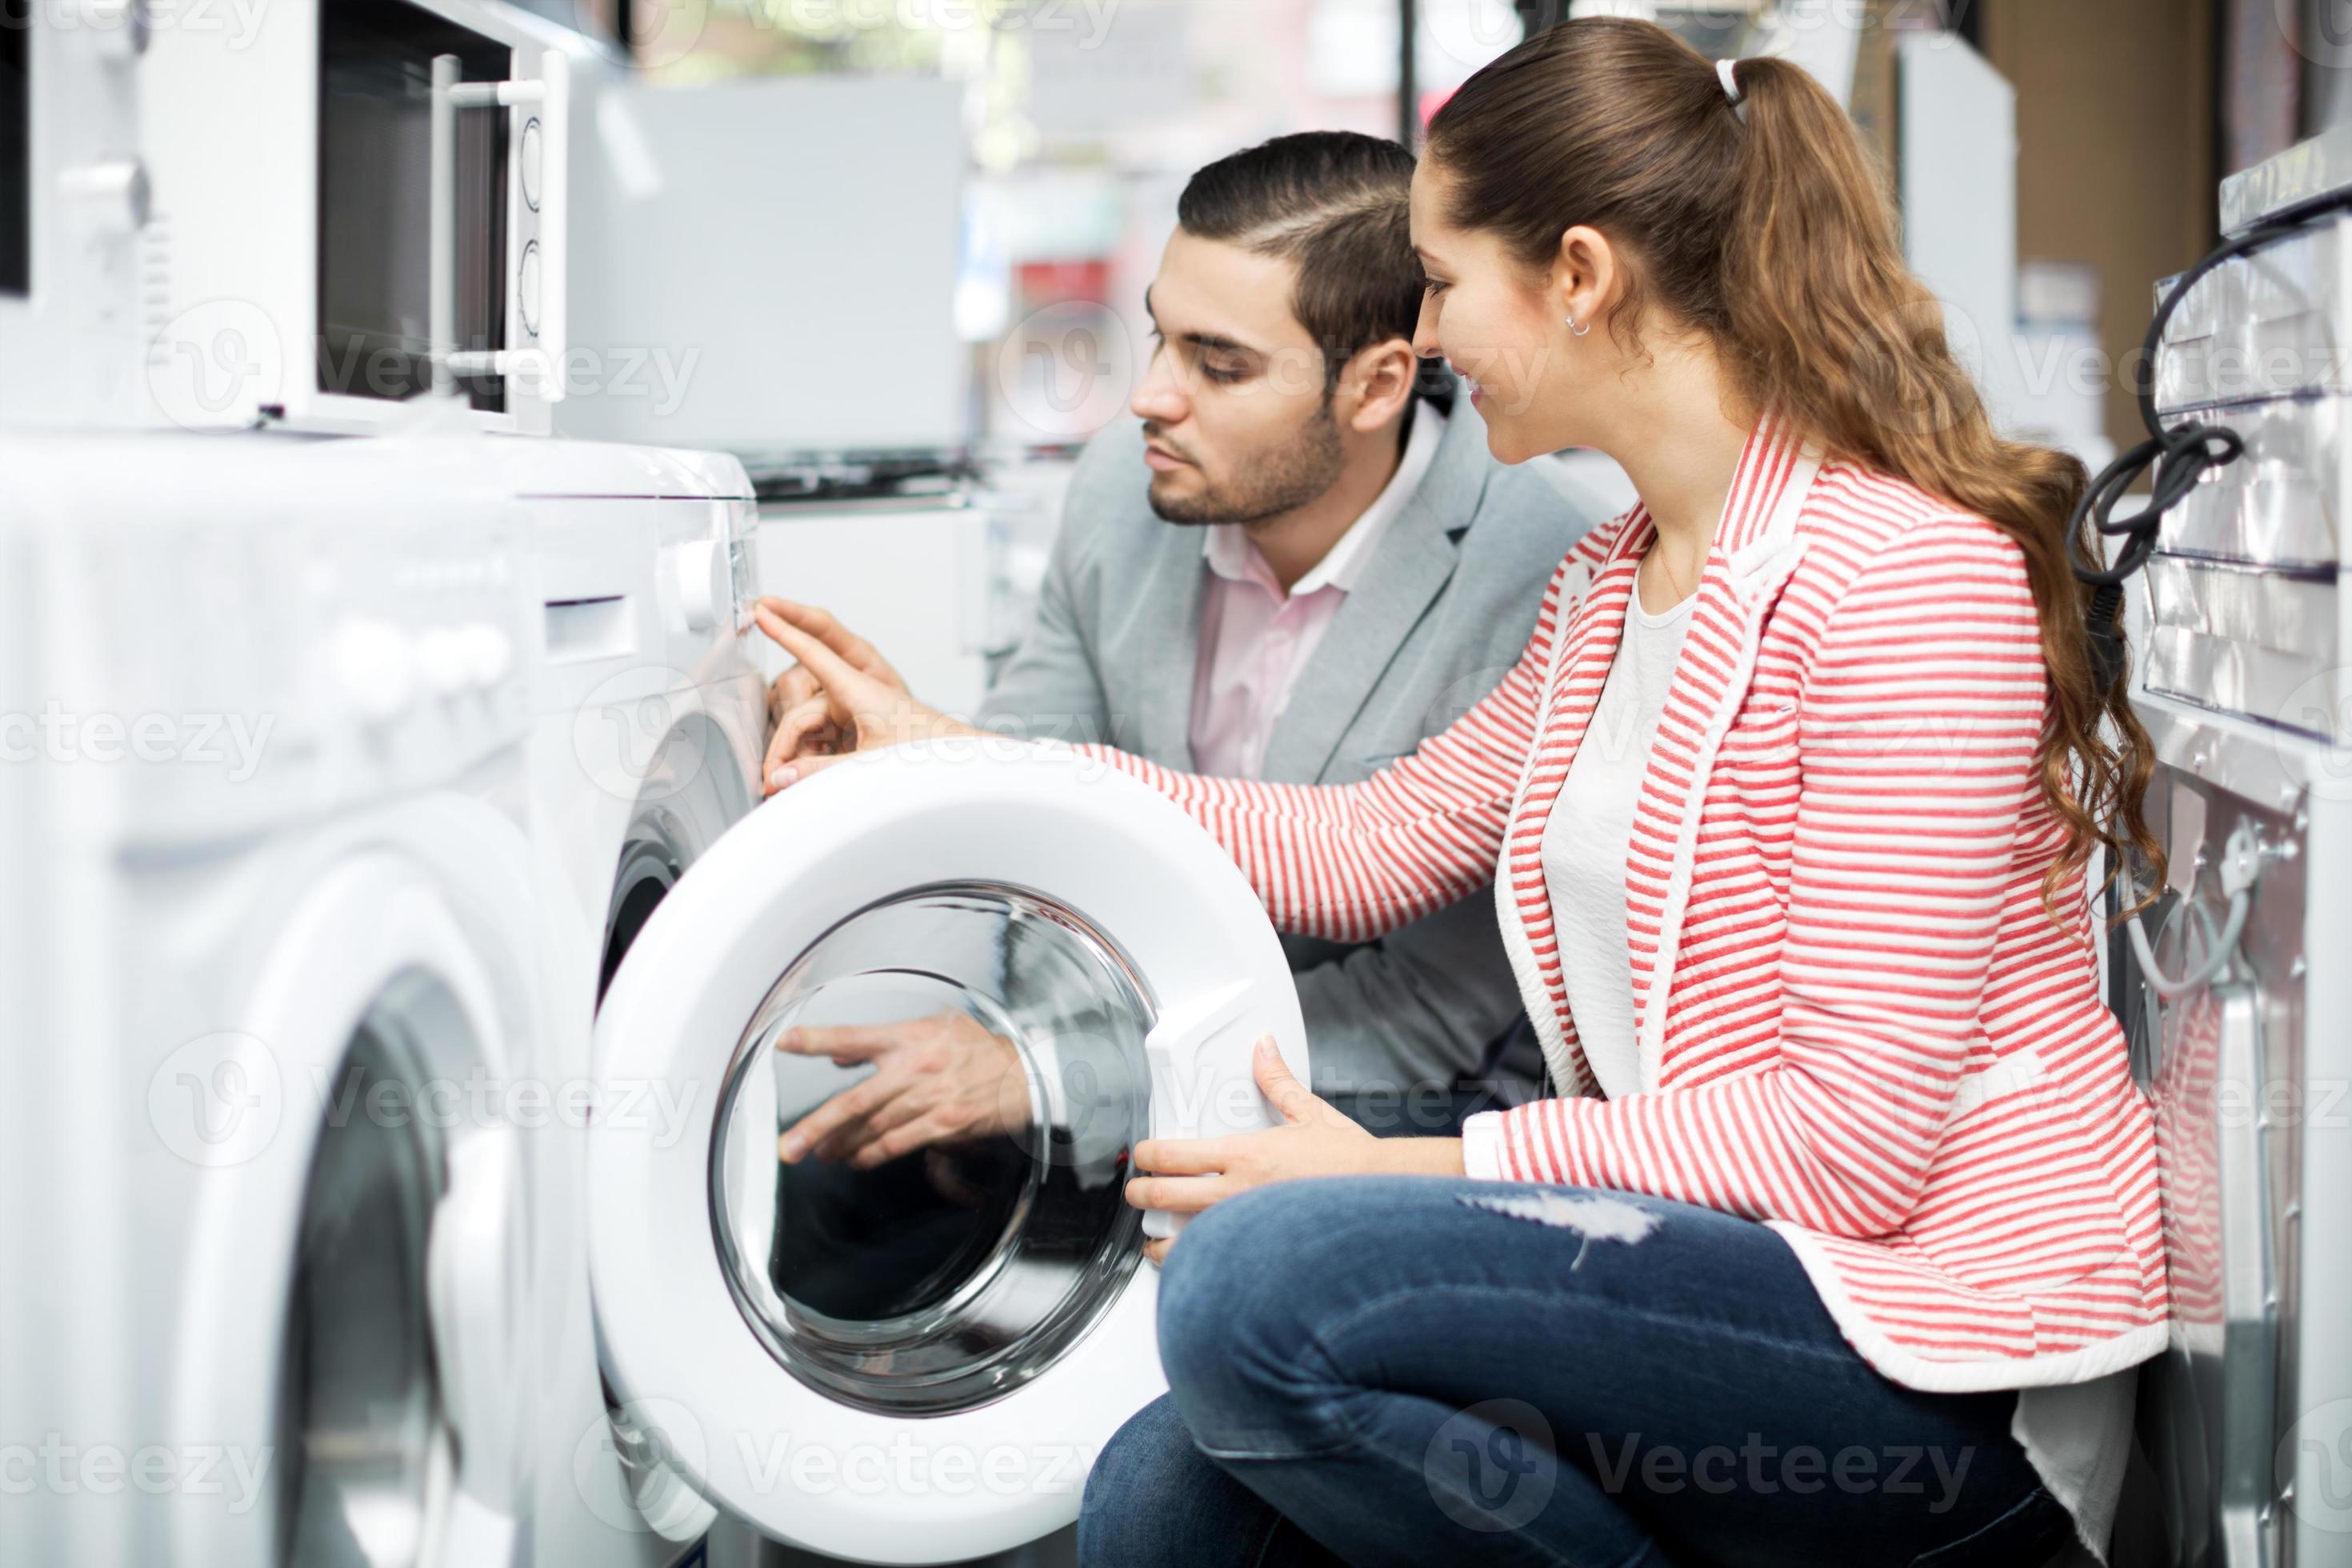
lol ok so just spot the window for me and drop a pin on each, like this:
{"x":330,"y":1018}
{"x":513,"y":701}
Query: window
{"x":375,"y":85}
{"x":949,"y":1276}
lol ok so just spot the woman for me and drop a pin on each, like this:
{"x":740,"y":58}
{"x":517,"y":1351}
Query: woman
{"x":1848,"y":1217}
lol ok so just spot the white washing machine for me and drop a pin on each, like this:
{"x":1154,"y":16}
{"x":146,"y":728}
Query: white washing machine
{"x":919,"y":1362}
{"x":270,"y":1303}
{"x":405,"y":747}
{"x":1068,"y":909}
{"x":649,"y":719}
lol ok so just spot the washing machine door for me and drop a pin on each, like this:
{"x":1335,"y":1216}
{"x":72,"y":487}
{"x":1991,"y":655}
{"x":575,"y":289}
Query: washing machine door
{"x":355,"y":1304}
{"x":916,"y":1362}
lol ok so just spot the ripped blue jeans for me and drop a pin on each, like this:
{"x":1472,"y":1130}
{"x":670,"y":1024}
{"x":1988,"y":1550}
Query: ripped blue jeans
{"x":1378,"y":1370}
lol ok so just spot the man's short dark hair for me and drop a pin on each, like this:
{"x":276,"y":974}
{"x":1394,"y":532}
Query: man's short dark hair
{"x":1336,"y":202}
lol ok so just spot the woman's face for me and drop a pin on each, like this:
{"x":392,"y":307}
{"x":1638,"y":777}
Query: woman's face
{"x":1495,"y":322}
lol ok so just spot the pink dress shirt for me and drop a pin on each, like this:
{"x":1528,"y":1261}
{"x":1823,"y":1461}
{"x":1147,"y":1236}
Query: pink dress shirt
{"x":1255,"y":640}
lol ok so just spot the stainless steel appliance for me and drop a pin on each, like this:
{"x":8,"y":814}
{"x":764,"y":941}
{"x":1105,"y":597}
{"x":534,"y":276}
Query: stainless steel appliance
{"x":2237,"y":987}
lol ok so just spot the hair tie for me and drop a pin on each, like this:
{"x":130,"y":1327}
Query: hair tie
{"x":1723,"y":73}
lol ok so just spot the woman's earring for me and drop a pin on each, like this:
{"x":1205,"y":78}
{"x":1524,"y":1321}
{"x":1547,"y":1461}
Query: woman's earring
{"x":1573,"y":327}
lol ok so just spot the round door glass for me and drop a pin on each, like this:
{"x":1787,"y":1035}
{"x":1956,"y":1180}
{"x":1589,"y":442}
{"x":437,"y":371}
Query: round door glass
{"x":958,"y":1221}
{"x":361,"y":1413}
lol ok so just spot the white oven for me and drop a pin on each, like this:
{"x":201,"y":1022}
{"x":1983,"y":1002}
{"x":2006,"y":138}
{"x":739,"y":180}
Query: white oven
{"x":352,"y":202}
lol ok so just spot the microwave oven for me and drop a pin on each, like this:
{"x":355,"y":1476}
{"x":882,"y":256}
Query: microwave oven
{"x":73,"y":196}
{"x":355,"y":204}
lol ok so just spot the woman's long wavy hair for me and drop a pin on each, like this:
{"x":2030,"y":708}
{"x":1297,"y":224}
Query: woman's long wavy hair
{"x":1769,"y":228}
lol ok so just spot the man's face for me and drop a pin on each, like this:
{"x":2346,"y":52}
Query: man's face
{"x":1238,"y":420}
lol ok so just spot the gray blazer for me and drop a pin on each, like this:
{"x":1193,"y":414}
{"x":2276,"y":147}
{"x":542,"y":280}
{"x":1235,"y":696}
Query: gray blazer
{"x":1441,"y":612}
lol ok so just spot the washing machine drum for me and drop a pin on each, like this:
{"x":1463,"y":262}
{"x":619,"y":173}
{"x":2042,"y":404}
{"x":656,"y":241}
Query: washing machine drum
{"x":912,"y":1352}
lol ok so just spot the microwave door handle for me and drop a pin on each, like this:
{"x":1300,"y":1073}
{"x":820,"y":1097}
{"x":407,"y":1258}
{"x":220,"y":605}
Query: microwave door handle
{"x":441,"y":228}
{"x":554,"y":218}
{"x":551,"y":95}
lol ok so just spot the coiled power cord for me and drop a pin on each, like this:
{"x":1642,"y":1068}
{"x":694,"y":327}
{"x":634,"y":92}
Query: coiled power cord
{"x":2181,"y":457}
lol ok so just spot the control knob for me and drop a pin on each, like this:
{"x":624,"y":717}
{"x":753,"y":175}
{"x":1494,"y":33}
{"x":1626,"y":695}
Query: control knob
{"x":373,"y":664}
{"x":699,"y":576}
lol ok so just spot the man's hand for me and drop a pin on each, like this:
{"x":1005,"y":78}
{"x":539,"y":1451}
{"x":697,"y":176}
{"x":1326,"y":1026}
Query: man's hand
{"x":1189,"y":1174}
{"x":841,"y":697}
{"x":940,"y":1079}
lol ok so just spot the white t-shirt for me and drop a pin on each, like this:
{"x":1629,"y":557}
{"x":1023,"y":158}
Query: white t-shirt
{"x":1586,"y":838}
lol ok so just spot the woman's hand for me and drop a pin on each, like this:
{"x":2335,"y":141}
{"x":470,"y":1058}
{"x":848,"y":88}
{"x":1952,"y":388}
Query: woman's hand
{"x":1189,"y":1174}
{"x":842,"y":697}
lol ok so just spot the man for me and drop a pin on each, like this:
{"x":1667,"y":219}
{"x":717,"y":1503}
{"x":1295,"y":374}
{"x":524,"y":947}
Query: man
{"x":1295,"y":565}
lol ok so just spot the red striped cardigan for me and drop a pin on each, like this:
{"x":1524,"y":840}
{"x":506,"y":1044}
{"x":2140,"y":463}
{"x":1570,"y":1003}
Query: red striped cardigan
{"x":1858,"y":1020}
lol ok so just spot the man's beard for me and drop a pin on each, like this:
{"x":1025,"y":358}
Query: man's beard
{"x":1282,"y":481}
